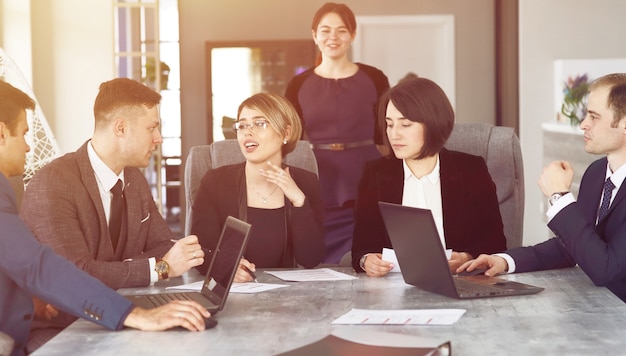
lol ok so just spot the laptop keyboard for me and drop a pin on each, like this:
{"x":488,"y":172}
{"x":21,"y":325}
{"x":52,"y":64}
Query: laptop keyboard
{"x":465,"y":288}
{"x":162,"y":299}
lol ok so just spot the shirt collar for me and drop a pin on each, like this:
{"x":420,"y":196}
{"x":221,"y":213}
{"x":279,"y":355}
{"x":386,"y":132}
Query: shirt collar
{"x":104,"y":175}
{"x":432,"y":177}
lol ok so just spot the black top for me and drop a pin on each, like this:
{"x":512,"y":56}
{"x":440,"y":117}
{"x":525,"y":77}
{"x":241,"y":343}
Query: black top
{"x":267,"y":241}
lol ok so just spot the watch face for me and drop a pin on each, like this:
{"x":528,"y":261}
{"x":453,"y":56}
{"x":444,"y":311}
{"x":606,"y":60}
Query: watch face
{"x":554,"y":197}
{"x":161,"y":267}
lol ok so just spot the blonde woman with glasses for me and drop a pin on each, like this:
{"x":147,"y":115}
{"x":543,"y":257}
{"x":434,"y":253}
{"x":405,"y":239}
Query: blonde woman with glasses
{"x":282,"y":203}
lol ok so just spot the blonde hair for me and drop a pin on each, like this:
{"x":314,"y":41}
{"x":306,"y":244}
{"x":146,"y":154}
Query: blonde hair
{"x":280,"y":114}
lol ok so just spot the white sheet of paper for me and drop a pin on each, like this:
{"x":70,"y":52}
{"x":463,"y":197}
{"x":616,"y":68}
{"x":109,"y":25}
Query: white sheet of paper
{"x":251,"y":287}
{"x":242,"y":288}
{"x":389,"y":255}
{"x":308,"y":275}
{"x":400,"y":317}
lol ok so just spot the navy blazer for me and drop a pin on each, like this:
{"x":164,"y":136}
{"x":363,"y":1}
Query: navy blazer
{"x":29,"y":268}
{"x":223,"y":192}
{"x":471,"y":214}
{"x":600,"y":250}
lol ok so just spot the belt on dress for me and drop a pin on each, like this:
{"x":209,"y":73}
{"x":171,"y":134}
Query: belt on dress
{"x":341,"y":146}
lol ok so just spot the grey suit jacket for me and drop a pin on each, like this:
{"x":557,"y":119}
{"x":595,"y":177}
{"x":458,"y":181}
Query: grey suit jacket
{"x":63,"y":208}
{"x":29,"y":268}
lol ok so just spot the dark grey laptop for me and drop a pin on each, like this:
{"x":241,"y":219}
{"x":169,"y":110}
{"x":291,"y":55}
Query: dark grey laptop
{"x":219,"y":277}
{"x":423,"y":262}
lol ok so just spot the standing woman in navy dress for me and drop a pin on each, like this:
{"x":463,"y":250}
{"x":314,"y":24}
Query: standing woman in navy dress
{"x":337,"y":101}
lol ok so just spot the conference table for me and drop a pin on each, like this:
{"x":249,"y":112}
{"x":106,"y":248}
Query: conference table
{"x":570,"y":317}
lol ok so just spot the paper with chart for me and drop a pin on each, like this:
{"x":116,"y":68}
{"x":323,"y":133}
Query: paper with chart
{"x":241,"y":288}
{"x":308,"y":275}
{"x":400,"y":317}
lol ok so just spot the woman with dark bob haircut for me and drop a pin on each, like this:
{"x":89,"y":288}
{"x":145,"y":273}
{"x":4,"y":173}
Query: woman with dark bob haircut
{"x":455,"y":186}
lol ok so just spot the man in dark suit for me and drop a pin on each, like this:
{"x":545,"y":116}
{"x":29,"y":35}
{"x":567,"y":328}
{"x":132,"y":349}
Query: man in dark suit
{"x":68,"y":203}
{"x":28,"y":268}
{"x":590,"y":231}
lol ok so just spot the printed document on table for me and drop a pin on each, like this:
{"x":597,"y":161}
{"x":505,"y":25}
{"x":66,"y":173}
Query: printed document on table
{"x":389,"y":255}
{"x":400,"y":317}
{"x":242,"y":288}
{"x":308,"y":275}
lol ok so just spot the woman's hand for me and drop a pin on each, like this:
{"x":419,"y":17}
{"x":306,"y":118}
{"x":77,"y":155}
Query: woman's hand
{"x":457,"y":259}
{"x":375,"y":266}
{"x":283,"y":180}
{"x":242,"y":275}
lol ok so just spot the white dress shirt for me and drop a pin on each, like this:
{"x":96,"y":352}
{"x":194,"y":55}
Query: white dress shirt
{"x":425,"y":193}
{"x":106,"y":179}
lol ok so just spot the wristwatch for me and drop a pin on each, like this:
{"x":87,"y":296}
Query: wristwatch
{"x":556,"y":196}
{"x":162,"y":268}
{"x":362,"y":261}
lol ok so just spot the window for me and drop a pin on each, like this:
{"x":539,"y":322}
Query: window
{"x":147,"y":50}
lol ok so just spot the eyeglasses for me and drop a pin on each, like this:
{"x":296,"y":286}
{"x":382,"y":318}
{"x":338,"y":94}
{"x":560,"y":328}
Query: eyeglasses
{"x":256,"y":125}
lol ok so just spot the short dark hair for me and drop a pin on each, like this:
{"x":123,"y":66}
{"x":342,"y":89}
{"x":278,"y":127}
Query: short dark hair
{"x":420,"y":100}
{"x":122,"y":93}
{"x":12,"y":102}
{"x":344,"y":12}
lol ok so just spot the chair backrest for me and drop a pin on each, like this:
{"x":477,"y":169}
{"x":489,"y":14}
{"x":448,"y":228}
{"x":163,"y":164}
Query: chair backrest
{"x":500,"y":148}
{"x":226,"y":152}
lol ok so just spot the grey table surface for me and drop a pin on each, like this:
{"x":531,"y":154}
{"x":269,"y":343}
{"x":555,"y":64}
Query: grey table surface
{"x":571,"y":316}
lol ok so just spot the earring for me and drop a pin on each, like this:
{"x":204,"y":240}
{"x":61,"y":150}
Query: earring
{"x":284,"y":142}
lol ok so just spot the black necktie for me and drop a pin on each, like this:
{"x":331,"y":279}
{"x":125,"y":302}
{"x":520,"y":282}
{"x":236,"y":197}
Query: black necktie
{"x":116,"y":213}
{"x":606,"y":199}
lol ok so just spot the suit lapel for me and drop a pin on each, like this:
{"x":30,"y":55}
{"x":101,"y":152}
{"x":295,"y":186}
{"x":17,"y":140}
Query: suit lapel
{"x":451,"y":184}
{"x":387,"y":181}
{"x":137,"y":213}
{"x":88,"y":177}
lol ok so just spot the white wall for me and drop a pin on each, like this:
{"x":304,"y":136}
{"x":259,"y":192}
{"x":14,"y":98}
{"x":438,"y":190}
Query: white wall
{"x":15,"y":34}
{"x":72,"y":49}
{"x":233,"y":20}
{"x":550,"y":30}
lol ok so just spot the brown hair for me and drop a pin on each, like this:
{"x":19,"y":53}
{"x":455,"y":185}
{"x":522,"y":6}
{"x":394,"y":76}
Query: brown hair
{"x":344,"y":12}
{"x":122,"y":94}
{"x":280,"y":113}
{"x":12,"y":102}
{"x":420,"y":100}
{"x":617,"y":94}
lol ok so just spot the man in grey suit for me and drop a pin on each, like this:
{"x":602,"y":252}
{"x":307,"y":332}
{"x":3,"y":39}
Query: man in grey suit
{"x":29,"y":268}
{"x":68,"y":203}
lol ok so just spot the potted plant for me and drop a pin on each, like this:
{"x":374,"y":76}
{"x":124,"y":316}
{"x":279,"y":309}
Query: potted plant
{"x":574,"y":92}
{"x":150,"y":78}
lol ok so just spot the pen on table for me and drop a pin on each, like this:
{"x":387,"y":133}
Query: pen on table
{"x":250,"y":273}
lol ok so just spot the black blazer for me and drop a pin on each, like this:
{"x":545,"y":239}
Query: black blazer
{"x":471,"y":214}
{"x":222,"y":192}
{"x":600,"y":250}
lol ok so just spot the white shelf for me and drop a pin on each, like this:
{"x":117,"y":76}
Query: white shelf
{"x":562,"y":128}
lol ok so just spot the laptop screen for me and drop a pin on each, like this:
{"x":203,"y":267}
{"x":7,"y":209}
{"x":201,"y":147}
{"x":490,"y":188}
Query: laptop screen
{"x":225,"y":260}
